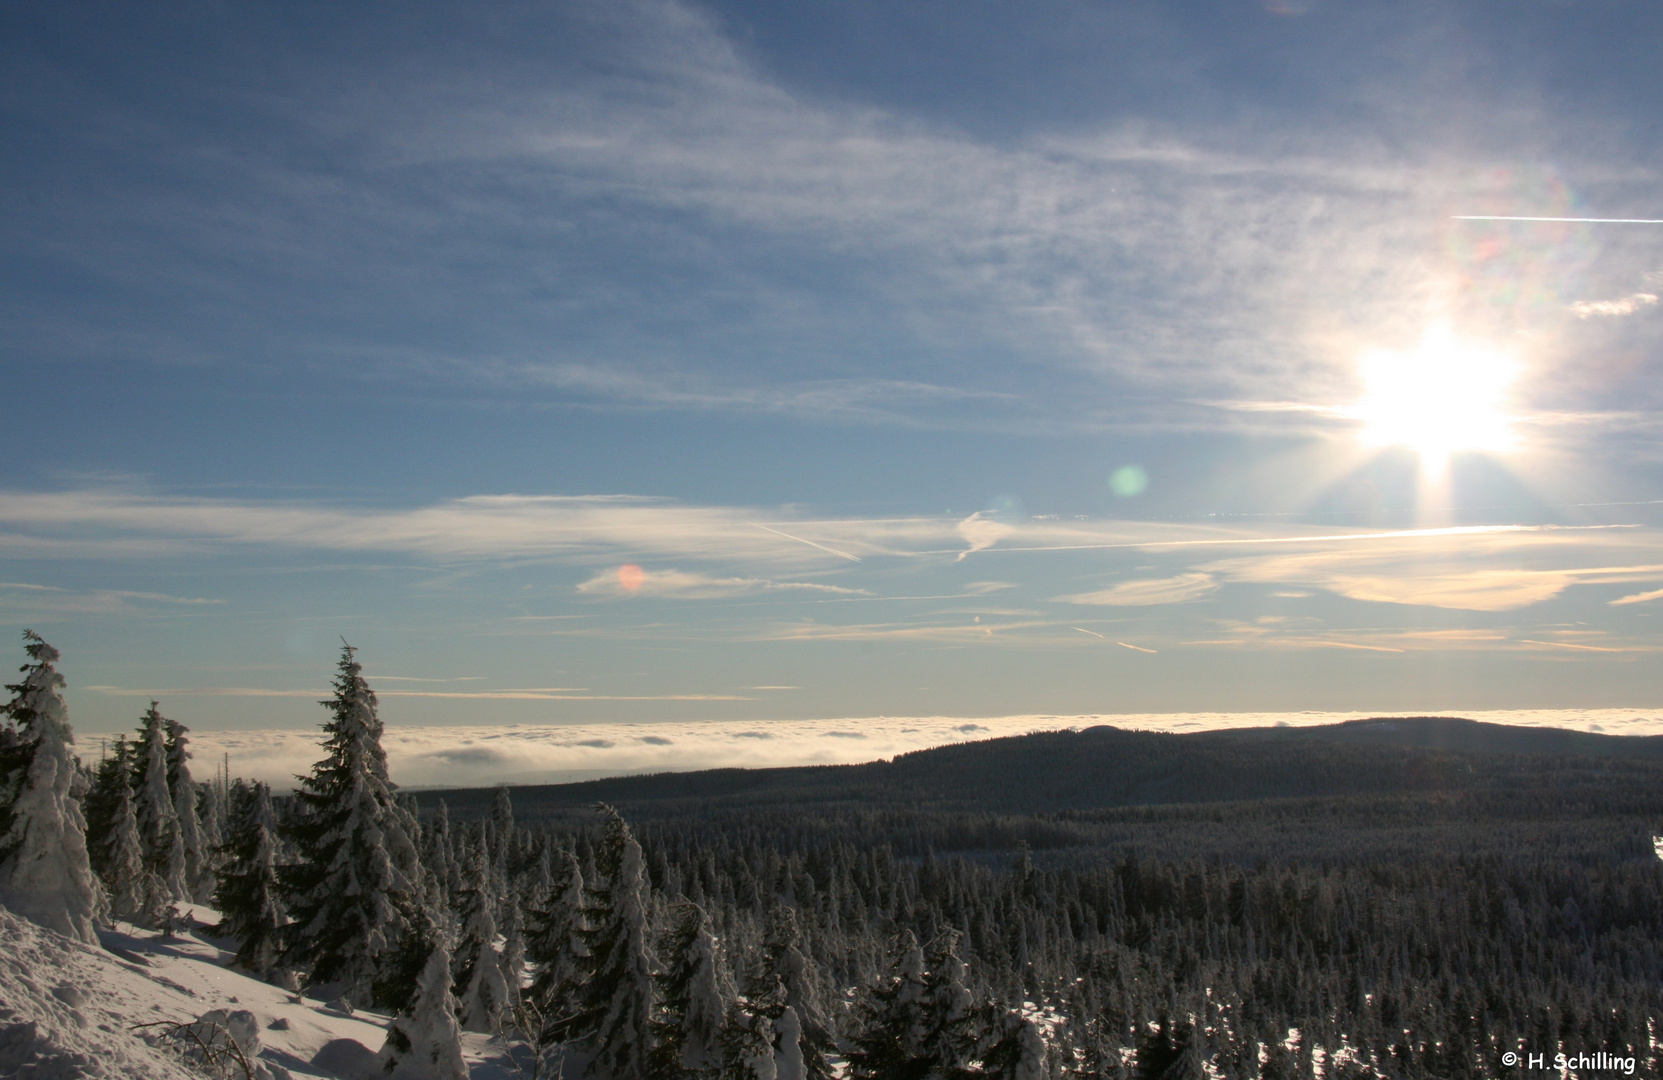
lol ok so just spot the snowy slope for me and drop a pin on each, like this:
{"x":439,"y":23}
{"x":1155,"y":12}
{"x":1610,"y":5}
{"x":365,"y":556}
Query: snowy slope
{"x":84,"y":1004}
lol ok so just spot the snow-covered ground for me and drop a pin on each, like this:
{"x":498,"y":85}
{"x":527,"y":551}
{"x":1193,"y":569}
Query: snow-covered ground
{"x":480,"y":756}
{"x":68,"y":1010}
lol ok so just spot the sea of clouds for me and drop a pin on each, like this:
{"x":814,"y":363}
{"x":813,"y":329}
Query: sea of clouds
{"x":477,"y":756}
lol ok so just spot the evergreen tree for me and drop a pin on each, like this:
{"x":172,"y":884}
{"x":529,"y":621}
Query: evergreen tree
{"x":45,"y":874}
{"x":210,"y":812}
{"x":124,"y":875}
{"x":102,"y":804}
{"x":795,"y":972}
{"x":694,"y":996}
{"x":612,"y":1010}
{"x":512,"y":960}
{"x":484,"y":999}
{"x":890,"y":1044}
{"x":1020,"y":1052}
{"x":953,"y":1028}
{"x":423,"y":1042}
{"x":356,"y":880}
{"x":248,"y":893}
{"x":437,"y":852}
{"x":198,"y":878}
{"x":164,"y":848}
{"x":502,"y":825}
{"x":748,"y":1039}
{"x":555,"y":948}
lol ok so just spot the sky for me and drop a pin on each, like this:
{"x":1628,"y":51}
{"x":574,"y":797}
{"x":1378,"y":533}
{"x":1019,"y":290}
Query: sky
{"x":645,"y":362}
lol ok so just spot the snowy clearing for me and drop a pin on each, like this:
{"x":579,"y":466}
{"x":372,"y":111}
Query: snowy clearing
{"x":69,"y":1010}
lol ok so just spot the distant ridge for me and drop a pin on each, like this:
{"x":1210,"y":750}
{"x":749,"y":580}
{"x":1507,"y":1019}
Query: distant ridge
{"x":1467,"y":736}
{"x":1107,"y":767}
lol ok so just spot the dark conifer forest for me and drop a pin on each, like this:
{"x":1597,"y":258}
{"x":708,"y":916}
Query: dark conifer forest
{"x":1392,"y":898}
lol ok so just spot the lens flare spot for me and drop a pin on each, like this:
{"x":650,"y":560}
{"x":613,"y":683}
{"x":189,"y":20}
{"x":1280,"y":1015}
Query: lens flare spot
{"x":1128,"y":480}
{"x":631,"y":576}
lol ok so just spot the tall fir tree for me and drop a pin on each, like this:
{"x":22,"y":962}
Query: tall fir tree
{"x":248,"y":894}
{"x":164,"y":848}
{"x":787,"y":963}
{"x":45,"y":874}
{"x":612,"y":1011}
{"x":356,"y":877}
{"x":211,"y":814}
{"x":512,"y":960}
{"x":423,"y":1040}
{"x":125,"y":879}
{"x":555,"y":948}
{"x":694,"y":996}
{"x":484,"y":993}
{"x":110,"y":780}
{"x":890,"y":1043}
{"x":199,"y":885}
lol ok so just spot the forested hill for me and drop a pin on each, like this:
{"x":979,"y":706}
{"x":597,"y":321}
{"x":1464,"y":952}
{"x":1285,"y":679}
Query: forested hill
{"x":1106,"y":767}
{"x":1471,"y":736}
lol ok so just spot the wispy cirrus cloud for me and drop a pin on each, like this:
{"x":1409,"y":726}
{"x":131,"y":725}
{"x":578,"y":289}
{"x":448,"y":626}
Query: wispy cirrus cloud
{"x":688,"y":585}
{"x":1179,"y":589}
{"x":1238,"y":261}
{"x":21,"y":598}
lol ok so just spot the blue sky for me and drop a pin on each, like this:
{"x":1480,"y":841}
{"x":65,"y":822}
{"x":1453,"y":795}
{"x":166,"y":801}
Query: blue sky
{"x":834,"y":324}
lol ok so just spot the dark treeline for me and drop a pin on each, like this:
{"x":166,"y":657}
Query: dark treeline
{"x":1105,"y":767}
{"x":1471,"y":905}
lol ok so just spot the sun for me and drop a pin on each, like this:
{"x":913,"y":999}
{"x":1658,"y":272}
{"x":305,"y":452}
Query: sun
{"x":1445,"y":397}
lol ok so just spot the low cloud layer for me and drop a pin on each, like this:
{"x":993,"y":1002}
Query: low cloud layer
{"x":524,"y":754}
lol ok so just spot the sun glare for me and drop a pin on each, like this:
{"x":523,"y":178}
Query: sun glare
{"x":1445,"y":397}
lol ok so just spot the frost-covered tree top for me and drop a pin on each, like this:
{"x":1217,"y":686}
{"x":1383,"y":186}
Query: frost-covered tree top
{"x":354,"y":730}
{"x":45,"y":874}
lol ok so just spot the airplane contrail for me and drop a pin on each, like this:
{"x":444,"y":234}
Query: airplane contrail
{"x":1585,"y":220}
{"x":810,"y":543}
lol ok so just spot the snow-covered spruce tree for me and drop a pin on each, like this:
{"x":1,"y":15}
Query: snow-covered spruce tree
{"x":555,"y":947}
{"x":437,"y":854}
{"x":613,"y":1008}
{"x":100,"y":807}
{"x":953,"y":1025}
{"x":211,"y":815}
{"x":694,"y":995}
{"x":785,"y":960}
{"x":423,"y":1041}
{"x":484,"y":998}
{"x":429,"y":923}
{"x":1020,"y":1052}
{"x":199,"y":885}
{"x":248,"y":893}
{"x":356,"y":876}
{"x":504,"y":846}
{"x":511,"y":962}
{"x":747,"y":1045}
{"x":45,"y":875}
{"x":893,"y":1020}
{"x":164,"y":848}
{"x":122,"y":859}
